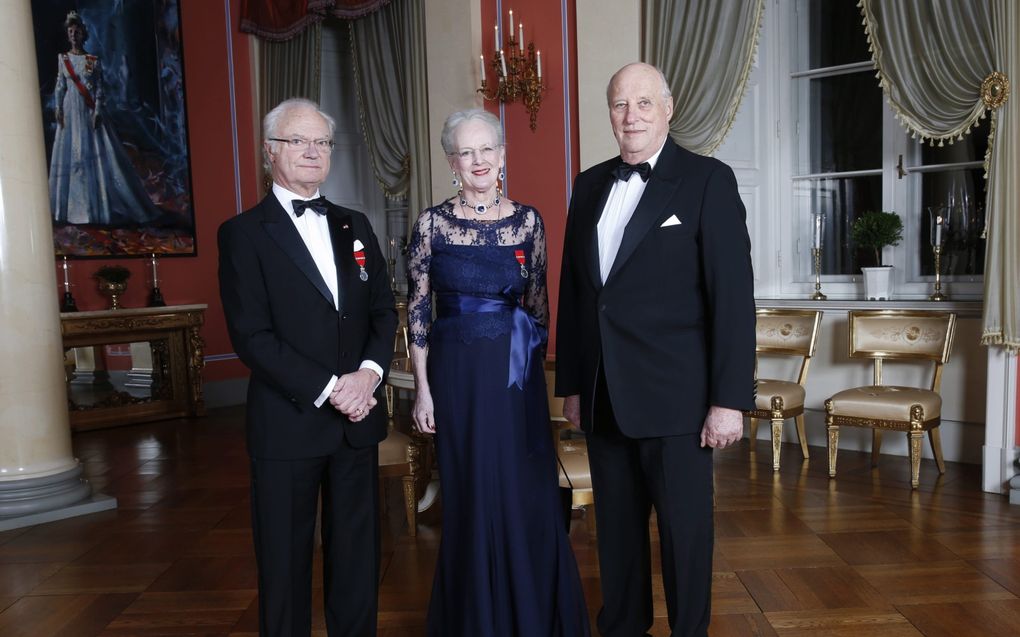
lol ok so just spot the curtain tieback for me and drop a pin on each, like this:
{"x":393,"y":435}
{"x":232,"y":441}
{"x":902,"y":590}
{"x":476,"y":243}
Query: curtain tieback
{"x":995,"y":89}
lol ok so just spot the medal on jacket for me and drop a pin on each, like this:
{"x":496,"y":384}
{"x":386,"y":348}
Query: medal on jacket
{"x":359,"y":258}
{"x":520,"y":259}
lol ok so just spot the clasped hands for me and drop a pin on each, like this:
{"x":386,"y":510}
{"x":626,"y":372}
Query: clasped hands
{"x":352,"y":394}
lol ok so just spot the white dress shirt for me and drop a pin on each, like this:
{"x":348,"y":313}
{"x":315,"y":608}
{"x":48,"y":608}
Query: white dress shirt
{"x":314,"y":231}
{"x":620,"y":206}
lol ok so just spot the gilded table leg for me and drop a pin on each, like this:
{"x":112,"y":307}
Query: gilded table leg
{"x":411,"y":505}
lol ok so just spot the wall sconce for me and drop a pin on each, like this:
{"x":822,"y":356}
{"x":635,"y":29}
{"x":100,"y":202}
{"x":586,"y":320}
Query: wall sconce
{"x":518,"y":72}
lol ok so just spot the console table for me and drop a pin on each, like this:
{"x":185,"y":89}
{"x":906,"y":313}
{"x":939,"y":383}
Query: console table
{"x":174,"y":387}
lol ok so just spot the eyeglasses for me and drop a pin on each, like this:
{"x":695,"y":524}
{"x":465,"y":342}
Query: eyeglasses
{"x":486,"y":152}
{"x":324,"y":146}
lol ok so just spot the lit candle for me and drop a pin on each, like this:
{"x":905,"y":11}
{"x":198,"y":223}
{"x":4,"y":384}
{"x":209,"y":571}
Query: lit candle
{"x":538,"y":64}
{"x":938,"y":230}
{"x":818,"y":232}
{"x":67,"y":275}
{"x":495,"y":40}
{"x":511,"y":23}
{"x":155,"y":273}
{"x":481,"y":67}
{"x":520,"y":36}
{"x":502,"y":62}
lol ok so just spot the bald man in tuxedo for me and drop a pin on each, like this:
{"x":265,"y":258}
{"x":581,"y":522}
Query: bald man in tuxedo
{"x":654,"y":351}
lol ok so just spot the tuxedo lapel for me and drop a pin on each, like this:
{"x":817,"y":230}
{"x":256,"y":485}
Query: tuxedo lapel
{"x":342,"y":237}
{"x":661,"y":186}
{"x":279,"y":226}
{"x":591,"y":257}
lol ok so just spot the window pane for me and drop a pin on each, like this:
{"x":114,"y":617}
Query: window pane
{"x":836,"y":33}
{"x":958,"y":195}
{"x":971,"y":148}
{"x":844,"y":128}
{"x":841,"y":201}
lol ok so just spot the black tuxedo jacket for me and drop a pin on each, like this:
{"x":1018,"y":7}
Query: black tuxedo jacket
{"x":285,"y":328}
{"x":673,"y":325}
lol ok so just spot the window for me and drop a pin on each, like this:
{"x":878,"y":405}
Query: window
{"x":848,"y":155}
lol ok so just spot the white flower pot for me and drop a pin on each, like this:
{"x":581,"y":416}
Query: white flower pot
{"x":878,"y":283}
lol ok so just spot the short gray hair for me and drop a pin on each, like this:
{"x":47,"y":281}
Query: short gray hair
{"x":271,"y":122}
{"x":667,"y":93}
{"x":461,"y":117}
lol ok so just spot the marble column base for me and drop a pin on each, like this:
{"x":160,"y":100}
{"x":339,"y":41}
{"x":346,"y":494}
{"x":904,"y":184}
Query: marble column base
{"x":36,"y":500}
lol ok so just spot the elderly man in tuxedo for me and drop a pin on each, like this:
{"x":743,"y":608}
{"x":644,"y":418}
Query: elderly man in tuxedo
{"x":310,"y":312}
{"x":654,"y":351}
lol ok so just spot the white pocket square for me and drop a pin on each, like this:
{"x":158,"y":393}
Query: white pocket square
{"x":672,"y":221}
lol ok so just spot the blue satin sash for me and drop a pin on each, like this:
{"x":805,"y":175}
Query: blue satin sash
{"x":526,"y":334}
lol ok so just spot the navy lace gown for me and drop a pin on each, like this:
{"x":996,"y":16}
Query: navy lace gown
{"x":505,"y":566}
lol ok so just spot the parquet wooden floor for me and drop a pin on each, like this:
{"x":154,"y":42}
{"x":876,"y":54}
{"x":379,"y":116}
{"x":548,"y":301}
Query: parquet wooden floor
{"x":797,"y":554}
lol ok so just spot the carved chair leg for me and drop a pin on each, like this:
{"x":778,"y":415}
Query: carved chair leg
{"x":411,"y":505}
{"x":876,"y":446}
{"x":777,"y":440}
{"x":753,"y":433}
{"x":936,"y":448}
{"x":914,"y":438}
{"x":832,"y":438}
{"x":801,"y":436}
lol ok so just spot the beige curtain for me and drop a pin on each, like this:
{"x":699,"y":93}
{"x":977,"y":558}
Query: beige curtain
{"x":389,"y":67}
{"x":943,"y":64}
{"x":706,"y":50}
{"x":292,"y":68}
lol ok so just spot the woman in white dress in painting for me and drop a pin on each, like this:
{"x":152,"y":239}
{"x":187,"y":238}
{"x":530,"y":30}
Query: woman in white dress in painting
{"x":92,"y":180}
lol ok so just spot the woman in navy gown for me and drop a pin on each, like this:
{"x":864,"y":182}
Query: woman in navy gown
{"x":505,"y":566}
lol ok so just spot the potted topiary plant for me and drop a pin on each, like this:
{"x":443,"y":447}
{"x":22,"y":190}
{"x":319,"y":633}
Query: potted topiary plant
{"x":874,"y":230}
{"x":112,"y":280}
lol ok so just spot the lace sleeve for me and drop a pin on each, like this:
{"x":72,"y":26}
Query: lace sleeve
{"x":419,"y":287}
{"x":536,"y":295}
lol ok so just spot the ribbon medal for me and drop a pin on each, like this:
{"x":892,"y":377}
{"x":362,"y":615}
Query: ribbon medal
{"x":359,"y":258}
{"x":519,"y":254}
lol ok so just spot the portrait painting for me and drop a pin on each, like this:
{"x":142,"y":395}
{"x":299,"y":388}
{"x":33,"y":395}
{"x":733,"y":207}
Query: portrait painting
{"x":112,"y":87}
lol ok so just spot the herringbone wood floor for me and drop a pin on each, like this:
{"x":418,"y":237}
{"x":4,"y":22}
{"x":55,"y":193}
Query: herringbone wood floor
{"x":797,"y":554}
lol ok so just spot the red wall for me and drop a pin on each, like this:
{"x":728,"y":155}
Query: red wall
{"x":541,"y":164}
{"x":214,"y":185}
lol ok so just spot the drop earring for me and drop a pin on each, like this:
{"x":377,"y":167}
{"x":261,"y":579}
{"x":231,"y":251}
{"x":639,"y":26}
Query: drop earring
{"x":456,"y":181}
{"x":499,"y":184}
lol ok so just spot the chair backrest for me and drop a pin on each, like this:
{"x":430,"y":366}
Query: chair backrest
{"x":902,"y":335}
{"x":788,"y":333}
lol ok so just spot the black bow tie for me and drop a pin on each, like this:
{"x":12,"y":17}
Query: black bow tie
{"x":625,"y":170}
{"x":319,"y":205}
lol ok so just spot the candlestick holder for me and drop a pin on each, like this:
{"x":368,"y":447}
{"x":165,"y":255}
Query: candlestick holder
{"x":155,"y":295}
{"x":518,"y":74}
{"x":67,"y":304}
{"x":938,"y":295}
{"x":816,"y":255}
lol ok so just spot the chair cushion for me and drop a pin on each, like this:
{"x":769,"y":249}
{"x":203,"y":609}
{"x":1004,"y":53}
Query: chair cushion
{"x":393,"y":450}
{"x":791,"y":393}
{"x":885,"y":402}
{"x":574,"y":455}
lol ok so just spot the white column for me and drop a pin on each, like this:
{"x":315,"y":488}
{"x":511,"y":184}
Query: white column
{"x":38,"y":474}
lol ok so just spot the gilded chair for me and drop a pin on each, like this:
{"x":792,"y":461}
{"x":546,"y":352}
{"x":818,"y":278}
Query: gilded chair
{"x":896,"y":336}
{"x":573,"y":455}
{"x":783,"y":333}
{"x":406,"y":457}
